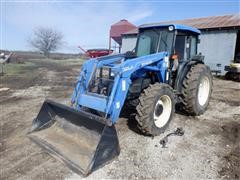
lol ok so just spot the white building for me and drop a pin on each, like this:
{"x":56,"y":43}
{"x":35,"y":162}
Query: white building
{"x":220,"y":38}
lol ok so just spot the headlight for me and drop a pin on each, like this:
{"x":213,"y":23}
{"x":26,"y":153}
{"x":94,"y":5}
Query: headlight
{"x":112,"y":74}
{"x":170,"y":28}
{"x":166,"y":61}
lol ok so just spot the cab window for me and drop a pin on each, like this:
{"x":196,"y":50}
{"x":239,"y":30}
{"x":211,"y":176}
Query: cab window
{"x":185,"y":46}
{"x":147,"y":43}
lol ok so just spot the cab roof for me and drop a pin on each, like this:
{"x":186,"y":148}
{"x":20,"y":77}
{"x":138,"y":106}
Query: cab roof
{"x":176,"y":26}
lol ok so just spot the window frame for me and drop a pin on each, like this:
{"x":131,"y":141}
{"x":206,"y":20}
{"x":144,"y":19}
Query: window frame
{"x":159,"y":38}
{"x":188,"y":35}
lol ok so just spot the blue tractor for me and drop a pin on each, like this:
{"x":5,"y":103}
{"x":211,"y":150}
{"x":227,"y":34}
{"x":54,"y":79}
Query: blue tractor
{"x":162,"y":72}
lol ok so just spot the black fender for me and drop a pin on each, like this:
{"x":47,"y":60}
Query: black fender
{"x":183,"y":69}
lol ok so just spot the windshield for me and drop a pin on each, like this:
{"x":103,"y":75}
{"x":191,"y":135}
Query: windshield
{"x":154,"y":40}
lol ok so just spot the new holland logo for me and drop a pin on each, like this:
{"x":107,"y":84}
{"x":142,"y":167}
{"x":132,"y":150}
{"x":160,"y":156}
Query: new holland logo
{"x":146,"y":63}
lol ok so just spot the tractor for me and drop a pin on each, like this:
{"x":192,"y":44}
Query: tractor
{"x":162,"y":72}
{"x":233,"y":70}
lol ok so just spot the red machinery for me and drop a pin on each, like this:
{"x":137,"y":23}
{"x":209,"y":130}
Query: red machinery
{"x":93,"y":53}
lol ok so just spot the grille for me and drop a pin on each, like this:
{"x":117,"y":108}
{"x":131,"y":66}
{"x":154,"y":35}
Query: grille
{"x":101,"y":82}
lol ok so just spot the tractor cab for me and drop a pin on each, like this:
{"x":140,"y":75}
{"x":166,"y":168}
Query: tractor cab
{"x":178,"y":40}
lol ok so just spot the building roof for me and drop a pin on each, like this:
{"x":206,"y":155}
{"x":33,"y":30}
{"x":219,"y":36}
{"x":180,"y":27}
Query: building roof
{"x":212,"y":22}
{"x":119,"y":28}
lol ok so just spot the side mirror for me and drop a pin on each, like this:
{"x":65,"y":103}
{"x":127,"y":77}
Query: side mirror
{"x":198,"y":41}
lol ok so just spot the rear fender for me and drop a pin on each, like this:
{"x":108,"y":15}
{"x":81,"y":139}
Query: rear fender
{"x":183,"y":69}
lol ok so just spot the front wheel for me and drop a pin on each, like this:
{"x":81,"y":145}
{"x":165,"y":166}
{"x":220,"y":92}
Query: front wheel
{"x":155,"y":109}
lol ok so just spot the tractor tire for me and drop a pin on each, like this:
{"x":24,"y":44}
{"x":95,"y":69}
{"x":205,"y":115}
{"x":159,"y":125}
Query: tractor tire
{"x":155,"y":109}
{"x":234,"y":76}
{"x":196,"y":90}
{"x":229,"y":76}
{"x":237,"y":77}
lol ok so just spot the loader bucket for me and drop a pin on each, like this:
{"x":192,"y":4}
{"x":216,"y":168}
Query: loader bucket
{"x":83,"y":141}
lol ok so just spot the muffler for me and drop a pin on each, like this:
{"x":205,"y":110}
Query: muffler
{"x":81,"y":140}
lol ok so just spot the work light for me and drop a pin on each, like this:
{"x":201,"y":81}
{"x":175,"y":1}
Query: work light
{"x":170,"y":28}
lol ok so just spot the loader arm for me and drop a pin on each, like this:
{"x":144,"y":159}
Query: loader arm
{"x":123,"y":71}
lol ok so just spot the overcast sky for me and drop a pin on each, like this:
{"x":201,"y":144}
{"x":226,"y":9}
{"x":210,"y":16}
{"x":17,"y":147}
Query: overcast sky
{"x":87,"y":23}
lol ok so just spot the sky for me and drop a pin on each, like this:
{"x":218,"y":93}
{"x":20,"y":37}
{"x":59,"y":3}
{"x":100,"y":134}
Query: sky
{"x":87,"y":23}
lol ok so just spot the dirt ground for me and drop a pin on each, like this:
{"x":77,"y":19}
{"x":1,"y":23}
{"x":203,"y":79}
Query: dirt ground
{"x":209,"y":149}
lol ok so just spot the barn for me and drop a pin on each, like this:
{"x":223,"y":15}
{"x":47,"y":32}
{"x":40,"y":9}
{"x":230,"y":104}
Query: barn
{"x":220,"y":38}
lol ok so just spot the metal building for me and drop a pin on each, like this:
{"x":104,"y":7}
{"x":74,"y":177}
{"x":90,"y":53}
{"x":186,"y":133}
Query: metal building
{"x":117,"y":30}
{"x":220,"y":38}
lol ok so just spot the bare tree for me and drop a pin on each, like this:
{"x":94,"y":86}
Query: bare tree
{"x":46,"y":40}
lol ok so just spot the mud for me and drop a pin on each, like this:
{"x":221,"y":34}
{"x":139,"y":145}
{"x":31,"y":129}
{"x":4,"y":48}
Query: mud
{"x":209,"y":149}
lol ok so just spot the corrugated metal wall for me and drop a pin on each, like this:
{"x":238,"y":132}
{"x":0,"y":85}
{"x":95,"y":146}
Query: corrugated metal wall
{"x":218,"y":47}
{"x":128,"y":43}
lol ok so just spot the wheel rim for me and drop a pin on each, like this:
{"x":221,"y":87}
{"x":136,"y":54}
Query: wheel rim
{"x":203,"y":90}
{"x":162,"y":111}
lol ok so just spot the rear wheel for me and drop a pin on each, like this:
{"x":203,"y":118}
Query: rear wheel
{"x":232,"y":76}
{"x":155,"y":109}
{"x":228,"y":76}
{"x":196,"y":90}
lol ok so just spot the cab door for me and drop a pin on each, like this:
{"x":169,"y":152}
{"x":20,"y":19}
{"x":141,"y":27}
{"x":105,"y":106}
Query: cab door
{"x":185,"y":46}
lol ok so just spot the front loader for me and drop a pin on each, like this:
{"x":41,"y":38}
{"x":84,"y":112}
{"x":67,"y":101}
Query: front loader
{"x":164,"y":69}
